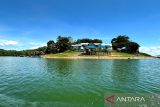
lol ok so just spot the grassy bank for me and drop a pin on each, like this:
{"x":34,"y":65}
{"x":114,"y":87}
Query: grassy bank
{"x":114,"y":55}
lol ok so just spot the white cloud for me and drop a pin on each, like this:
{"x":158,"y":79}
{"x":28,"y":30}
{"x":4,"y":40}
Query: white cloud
{"x":8,"y":42}
{"x":150,"y":50}
{"x":20,"y":44}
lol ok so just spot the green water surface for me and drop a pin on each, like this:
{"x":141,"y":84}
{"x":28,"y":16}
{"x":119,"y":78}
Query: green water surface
{"x":38,"y":82}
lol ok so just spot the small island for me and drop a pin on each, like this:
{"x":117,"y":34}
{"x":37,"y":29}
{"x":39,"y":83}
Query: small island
{"x":120,"y":47}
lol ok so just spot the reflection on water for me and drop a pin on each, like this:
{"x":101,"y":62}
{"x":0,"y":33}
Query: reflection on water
{"x":125,"y":71}
{"x":125,"y":74}
{"x":60,"y":67}
{"x":45,"y":82}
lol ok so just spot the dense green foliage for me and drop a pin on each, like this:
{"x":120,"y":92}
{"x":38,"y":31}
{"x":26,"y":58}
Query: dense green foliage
{"x":123,"y":43}
{"x":17,"y":53}
{"x":33,"y":52}
{"x":8,"y":53}
{"x":62,"y":44}
{"x":86,"y":40}
{"x":119,"y":42}
{"x":51,"y":47}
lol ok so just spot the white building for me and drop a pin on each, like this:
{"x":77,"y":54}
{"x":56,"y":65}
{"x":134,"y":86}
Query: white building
{"x":93,"y":45}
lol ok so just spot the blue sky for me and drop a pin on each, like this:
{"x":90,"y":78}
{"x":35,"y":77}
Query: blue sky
{"x":27,"y":24}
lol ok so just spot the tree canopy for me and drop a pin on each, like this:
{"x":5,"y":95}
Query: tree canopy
{"x":51,"y":47}
{"x":63,"y":43}
{"x":122,"y":41}
{"x":87,"y":40}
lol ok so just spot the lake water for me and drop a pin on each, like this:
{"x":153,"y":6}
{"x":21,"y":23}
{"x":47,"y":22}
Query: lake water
{"x":38,"y":82}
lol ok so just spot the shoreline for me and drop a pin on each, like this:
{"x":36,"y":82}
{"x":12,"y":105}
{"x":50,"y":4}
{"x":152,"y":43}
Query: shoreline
{"x":95,"y":57}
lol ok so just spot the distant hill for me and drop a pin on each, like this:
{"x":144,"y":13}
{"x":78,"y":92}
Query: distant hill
{"x":31,"y":52}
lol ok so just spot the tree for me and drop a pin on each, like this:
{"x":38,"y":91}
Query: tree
{"x":84,"y":40}
{"x":96,"y":41}
{"x":132,"y":47}
{"x":51,"y":47}
{"x":114,"y":43}
{"x":44,"y":48}
{"x":123,"y":41}
{"x":63,"y":43}
{"x":87,"y":40}
{"x":120,"y":42}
